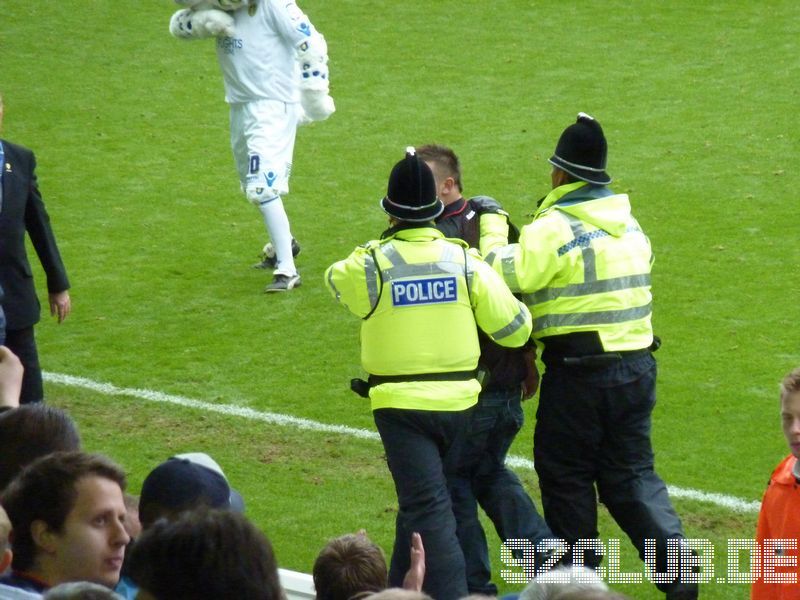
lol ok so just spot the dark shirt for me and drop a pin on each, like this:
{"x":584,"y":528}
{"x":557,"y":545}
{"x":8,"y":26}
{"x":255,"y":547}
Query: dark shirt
{"x":24,"y":581}
{"x":505,"y":367}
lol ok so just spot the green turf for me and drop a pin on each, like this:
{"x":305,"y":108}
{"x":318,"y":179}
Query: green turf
{"x":698,"y":102}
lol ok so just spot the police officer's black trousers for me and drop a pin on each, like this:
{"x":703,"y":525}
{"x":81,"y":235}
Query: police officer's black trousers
{"x":422,"y":449}
{"x":593,"y":428}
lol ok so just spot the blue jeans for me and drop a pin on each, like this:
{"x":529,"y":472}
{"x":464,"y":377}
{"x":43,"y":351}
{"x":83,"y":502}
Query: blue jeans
{"x":422,"y":449}
{"x":482,"y":478}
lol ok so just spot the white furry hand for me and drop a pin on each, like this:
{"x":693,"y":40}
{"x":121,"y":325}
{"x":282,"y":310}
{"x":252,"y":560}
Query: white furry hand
{"x":312,"y":55}
{"x":215,"y":22}
{"x":317,"y":104}
{"x":227,"y":5}
{"x":188,"y":23}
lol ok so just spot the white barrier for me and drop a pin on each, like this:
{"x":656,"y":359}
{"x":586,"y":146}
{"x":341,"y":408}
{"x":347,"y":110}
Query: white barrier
{"x":298,"y":586}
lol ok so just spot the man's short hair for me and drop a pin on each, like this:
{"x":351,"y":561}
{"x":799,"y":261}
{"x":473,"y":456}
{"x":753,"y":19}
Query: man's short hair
{"x":592,"y":595}
{"x":31,"y":431}
{"x":347,"y":566}
{"x":445,"y":159}
{"x":398,"y":594}
{"x":790,"y":383}
{"x":46,"y":491}
{"x":205,"y":554}
{"x":80,"y":590}
{"x":562,"y":580}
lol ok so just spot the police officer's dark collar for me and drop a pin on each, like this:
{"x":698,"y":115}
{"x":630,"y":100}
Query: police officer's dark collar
{"x":401,"y":225}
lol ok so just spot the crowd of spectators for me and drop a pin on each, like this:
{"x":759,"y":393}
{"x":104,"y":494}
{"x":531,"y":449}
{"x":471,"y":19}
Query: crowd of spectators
{"x":69,"y":530}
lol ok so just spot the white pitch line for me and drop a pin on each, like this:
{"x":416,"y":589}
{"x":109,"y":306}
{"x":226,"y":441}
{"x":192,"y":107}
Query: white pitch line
{"x":730,"y":502}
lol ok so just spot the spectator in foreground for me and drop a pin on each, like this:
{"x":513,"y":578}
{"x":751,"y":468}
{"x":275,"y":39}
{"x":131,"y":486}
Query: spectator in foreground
{"x":592,"y":595}
{"x":182,"y":483}
{"x":399,"y":594}
{"x":80,"y":590}
{"x":30,"y":432}
{"x":205,"y":554}
{"x":779,"y":518}
{"x":185,"y":482}
{"x":563,"y":580}
{"x":349,"y":565}
{"x":68,"y":518}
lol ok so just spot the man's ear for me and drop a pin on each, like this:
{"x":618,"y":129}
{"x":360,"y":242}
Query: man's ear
{"x":43,"y":536}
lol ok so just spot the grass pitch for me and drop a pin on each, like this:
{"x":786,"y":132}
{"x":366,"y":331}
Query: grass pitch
{"x":130,"y":130}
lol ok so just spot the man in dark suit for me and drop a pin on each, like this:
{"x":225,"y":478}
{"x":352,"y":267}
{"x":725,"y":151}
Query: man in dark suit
{"x":21,"y":210}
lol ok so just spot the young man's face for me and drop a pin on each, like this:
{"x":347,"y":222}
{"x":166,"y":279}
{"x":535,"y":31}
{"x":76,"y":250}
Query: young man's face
{"x":790,"y":416}
{"x":91,"y":544}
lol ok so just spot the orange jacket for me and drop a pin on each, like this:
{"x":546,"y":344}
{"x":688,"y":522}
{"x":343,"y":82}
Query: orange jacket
{"x":779,"y":519}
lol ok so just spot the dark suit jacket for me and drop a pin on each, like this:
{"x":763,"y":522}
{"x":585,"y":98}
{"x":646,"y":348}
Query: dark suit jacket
{"x":23,"y":210}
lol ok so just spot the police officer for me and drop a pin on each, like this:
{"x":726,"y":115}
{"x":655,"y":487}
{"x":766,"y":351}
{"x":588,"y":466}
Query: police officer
{"x":583,"y":266}
{"x":420,"y":297}
{"x":509,"y":375}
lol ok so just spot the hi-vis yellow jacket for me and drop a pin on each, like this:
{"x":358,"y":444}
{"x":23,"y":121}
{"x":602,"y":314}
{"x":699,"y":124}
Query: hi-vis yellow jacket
{"x":420,"y":296}
{"x":583,"y":264}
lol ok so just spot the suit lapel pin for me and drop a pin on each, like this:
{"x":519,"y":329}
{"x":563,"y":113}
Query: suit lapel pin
{"x":8,"y":167}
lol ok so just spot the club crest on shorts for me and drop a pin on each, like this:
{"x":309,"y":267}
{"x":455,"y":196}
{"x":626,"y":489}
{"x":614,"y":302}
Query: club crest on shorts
{"x":414,"y":292}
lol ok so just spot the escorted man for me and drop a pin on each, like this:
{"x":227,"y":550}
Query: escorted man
{"x":22,"y":211}
{"x":779,"y":519}
{"x":68,"y":518}
{"x":420,"y":297}
{"x":583,"y":267}
{"x":509,"y":376}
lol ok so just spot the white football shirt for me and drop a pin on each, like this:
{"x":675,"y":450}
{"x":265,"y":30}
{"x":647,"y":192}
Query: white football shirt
{"x":259,"y":62}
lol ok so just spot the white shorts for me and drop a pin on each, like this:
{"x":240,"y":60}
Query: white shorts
{"x":262,"y":139}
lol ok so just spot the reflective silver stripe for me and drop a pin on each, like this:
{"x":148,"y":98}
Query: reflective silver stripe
{"x":392,"y":255}
{"x":506,"y":256}
{"x":584,"y":241}
{"x":600,"y":286}
{"x":512,"y":327}
{"x":510,"y":274}
{"x":448,"y":264}
{"x":470,"y":272}
{"x":603,"y":317}
{"x":452,"y":253}
{"x":422,"y":269}
{"x":371,"y":275}
{"x":332,"y":286}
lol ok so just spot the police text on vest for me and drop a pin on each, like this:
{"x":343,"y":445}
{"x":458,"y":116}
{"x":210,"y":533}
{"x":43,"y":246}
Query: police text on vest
{"x":424,"y":291}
